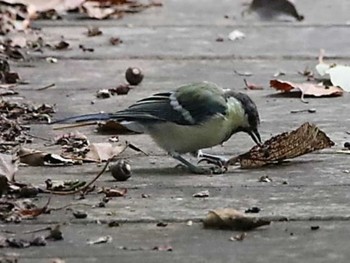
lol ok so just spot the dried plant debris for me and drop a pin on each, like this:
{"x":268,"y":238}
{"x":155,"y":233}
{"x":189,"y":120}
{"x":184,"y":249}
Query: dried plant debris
{"x":16,"y":211}
{"x":38,"y":158}
{"x":229,"y":218}
{"x":93,"y":31}
{"x":26,"y":112}
{"x":103,"y":9}
{"x":64,"y":186}
{"x":269,"y":9}
{"x":306,"y":139}
{"x":306,"y":89}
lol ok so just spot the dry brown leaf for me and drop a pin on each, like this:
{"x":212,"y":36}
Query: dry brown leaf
{"x":103,"y":151}
{"x":115,"y":192}
{"x":8,"y":166}
{"x":229,"y":218}
{"x":306,"y":139}
{"x":38,"y":158}
{"x":94,"y":10}
{"x":34,"y":212}
{"x":306,"y":88}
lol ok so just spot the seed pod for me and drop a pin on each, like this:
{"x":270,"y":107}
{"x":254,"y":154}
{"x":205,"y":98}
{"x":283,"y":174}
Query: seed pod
{"x":121,"y":170}
{"x":133,"y":75}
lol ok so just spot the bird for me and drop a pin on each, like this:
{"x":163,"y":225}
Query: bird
{"x":188,"y":119}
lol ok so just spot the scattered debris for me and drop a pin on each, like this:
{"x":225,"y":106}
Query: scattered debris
{"x":114,"y":192}
{"x":315,"y":228}
{"x":93,"y":31}
{"x":86,"y":49}
{"x":62,"y":45}
{"x":162,"y":224}
{"x":201,"y":194}
{"x":307,"y":138}
{"x":252,"y":210}
{"x":239,"y":237}
{"x":236,"y":35}
{"x":103,"y":94}
{"x":306,"y":88}
{"x":265,"y":179}
{"x":79,"y":214}
{"x":122,"y":89}
{"x":347,"y":145}
{"x":232,"y":219}
{"x":133,"y":75}
{"x":115,"y":41}
{"x":219,"y":39}
{"x":113,"y":223}
{"x":311,"y":110}
{"x":163,"y":248}
{"x":101,"y":240}
{"x":121,"y":170}
{"x":189,"y":223}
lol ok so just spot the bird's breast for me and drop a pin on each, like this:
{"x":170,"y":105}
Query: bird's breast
{"x":190,"y":138}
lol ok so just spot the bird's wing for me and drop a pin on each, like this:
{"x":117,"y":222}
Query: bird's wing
{"x":188,"y":105}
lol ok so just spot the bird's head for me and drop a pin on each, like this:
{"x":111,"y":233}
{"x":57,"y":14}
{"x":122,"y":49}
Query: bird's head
{"x":251,"y":118}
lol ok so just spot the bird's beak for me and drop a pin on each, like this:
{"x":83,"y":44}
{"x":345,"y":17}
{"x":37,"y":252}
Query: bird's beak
{"x":255,"y":136}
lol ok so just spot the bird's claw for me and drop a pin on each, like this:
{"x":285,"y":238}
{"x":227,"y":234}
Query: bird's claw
{"x":220,"y":165}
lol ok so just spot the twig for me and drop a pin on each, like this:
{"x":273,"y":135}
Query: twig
{"x":47,"y":86}
{"x":84,"y":188}
{"x":37,"y":230}
{"x":38,"y":137}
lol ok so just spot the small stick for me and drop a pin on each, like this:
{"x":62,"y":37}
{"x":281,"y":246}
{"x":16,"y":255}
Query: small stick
{"x":47,"y":86}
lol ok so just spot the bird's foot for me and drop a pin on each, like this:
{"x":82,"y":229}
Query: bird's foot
{"x":218,"y":161}
{"x":202,"y":170}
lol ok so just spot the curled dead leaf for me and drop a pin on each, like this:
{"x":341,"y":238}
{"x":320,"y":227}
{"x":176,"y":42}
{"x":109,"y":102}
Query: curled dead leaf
{"x":309,"y":89}
{"x":306,"y":139}
{"x":229,"y":218}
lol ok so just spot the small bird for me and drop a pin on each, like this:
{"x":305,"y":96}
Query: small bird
{"x":188,"y":119}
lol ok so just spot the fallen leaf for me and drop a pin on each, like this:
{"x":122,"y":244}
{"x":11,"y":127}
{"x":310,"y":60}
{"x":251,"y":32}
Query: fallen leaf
{"x":306,"y":88}
{"x":8,"y":166}
{"x":229,"y":218}
{"x":306,"y":139}
{"x":101,"y":240}
{"x":99,"y":152}
{"x":34,"y":212}
{"x":38,"y":158}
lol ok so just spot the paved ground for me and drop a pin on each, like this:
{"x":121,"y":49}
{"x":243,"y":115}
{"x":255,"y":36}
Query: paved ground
{"x":176,"y":44}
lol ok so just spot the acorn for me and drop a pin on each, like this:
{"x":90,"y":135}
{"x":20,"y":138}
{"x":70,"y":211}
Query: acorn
{"x":133,"y":75}
{"x":121,"y":170}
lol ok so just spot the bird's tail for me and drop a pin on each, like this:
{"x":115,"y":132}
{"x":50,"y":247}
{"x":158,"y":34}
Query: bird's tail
{"x":85,"y":118}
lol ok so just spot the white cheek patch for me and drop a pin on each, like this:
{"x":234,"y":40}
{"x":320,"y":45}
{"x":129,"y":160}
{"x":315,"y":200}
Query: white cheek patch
{"x":177,"y":106}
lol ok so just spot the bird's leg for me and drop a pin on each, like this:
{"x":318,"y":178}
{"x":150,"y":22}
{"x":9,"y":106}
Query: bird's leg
{"x":212,"y":159}
{"x":193,"y":168}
